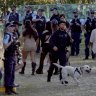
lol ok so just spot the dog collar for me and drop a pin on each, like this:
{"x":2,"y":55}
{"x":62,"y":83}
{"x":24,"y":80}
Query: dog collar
{"x":79,"y":71}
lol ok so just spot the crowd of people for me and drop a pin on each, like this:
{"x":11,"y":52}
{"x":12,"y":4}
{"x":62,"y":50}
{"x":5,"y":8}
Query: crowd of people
{"x":58,"y":38}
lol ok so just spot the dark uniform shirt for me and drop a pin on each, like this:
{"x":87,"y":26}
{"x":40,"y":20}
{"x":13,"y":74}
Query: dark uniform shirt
{"x":55,"y":17}
{"x":13,"y":17}
{"x":60,"y":39}
{"x":28,"y":17}
{"x":90,"y":24}
{"x":40,"y":25}
{"x":10,"y":51}
{"x":74,"y":26}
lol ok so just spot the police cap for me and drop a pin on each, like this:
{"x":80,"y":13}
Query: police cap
{"x":17,"y":23}
{"x":10,"y":25}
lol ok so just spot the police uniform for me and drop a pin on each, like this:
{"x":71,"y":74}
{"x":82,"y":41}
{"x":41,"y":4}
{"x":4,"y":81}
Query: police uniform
{"x":9,"y":63}
{"x":13,"y":17}
{"x":76,"y":34}
{"x":61,"y":40}
{"x":40,"y":27}
{"x":55,"y":16}
{"x":28,"y":16}
{"x":89,"y":26}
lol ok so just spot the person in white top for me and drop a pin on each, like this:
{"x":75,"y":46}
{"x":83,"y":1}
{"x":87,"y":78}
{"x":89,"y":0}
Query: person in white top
{"x":93,"y":41}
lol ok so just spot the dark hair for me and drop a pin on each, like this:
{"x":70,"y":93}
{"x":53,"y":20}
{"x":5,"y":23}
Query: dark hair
{"x":62,"y":15}
{"x":48,"y":26}
{"x":54,"y":24}
{"x":29,"y":30}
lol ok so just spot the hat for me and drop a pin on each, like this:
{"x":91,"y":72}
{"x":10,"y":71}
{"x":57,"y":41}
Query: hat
{"x":61,"y":22}
{"x":41,"y":10}
{"x":17,"y":23}
{"x":9,"y":25}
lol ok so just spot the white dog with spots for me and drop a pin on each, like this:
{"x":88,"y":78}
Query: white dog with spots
{"x":74,"y":72}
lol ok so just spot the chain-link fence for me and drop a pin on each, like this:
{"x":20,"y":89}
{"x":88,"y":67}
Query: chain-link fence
{"x":67,"y":9}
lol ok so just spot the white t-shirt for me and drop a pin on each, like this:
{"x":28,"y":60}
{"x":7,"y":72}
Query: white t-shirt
{"x":93,"y":40}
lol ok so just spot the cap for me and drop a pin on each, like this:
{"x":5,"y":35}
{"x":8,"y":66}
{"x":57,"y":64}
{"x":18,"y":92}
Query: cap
{"x":53,"y":9}
{"x":17,"y":23}
{"x":61,"y":22}
{"x":10,"y":25}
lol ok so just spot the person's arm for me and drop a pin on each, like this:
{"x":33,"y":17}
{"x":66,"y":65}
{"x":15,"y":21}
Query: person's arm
{"x":53,"y":40}
{"x":92,"y":38}
{"x":6,"y":42}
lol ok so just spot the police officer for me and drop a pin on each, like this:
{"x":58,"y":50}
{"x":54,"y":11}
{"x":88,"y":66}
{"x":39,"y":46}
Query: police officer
{"x":55,"y":14}
{"x":58,"y":41}
{"x":9,"y":59}
{"x":40,"y":25}
{"x":13,"y":16}
{"x":28,"y":15}
{"x":89,"y":26}
{"x":75,"y":33}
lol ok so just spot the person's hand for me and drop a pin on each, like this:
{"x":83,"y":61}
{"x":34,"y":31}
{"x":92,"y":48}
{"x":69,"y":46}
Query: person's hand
{"x":41,"y":20}
{"x":77,"y":24}
{"x":55,"y":48}
{"x":11,"y":40}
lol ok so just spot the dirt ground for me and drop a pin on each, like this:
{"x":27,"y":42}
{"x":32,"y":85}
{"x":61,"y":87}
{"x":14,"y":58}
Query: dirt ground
{"x":37,"y":85}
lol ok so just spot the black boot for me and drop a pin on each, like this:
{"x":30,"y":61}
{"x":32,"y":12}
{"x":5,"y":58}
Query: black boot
{"x":8,"y":91}
{"x":39,"y":71}
{"x":33,"y":68}
{"x":23,"y":68}
{"x":12,"y":90}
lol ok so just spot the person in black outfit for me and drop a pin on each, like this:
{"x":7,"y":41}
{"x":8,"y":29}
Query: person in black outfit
{"x":45,"y":46}
{"x":40,"y":26}
{"x":28,"y":15}
{"x":13,"y":16}
{"x":10,"y":47}
{"x":58,"y":42}
{"x":55,"y":14}
{"x":89,"y":26}
{"x":76,"y":34}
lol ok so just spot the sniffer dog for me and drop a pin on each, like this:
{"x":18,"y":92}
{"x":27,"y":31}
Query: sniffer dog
{"x":74,"y":72}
